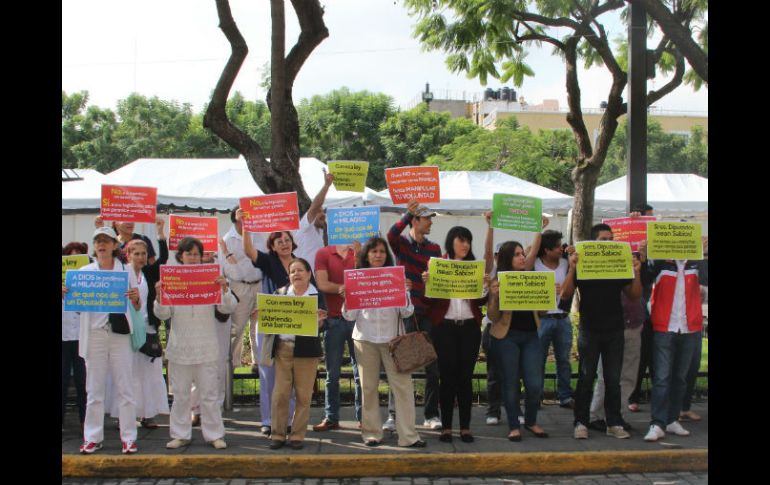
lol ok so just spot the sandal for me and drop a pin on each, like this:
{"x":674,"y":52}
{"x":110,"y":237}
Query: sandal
{"x":539,"y":434}
{"x":514,"y":437}
{"x":633,"y":407}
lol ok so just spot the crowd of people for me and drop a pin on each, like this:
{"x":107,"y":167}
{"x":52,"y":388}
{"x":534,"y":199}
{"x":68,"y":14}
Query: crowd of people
{"x":651,"y":320}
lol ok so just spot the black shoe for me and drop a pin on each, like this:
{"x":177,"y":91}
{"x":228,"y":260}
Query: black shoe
{"x":418,"y":444}
{"x":626,"y":426}
{"x":515,"y":437}
{"x":466,"y":437}
{"x":445,"y":437}
{"x":569,"y":404}
{"x":295,"y":444}
{"x":598,"y":425}
{"x":276,"y":444}
{"x":372,"y":443}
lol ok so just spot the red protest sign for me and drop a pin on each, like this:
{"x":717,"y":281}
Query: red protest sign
{"x":129,"y":204}
{"x":270,"y":213}
{"x":629,"y":229}
{"x":204,"y":229}
{"x":419,"y":183}
{"x":190,"y":285}
{"x":375,"y":288}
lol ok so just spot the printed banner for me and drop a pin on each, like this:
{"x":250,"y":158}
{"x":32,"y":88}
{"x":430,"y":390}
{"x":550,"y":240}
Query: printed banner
{"x":345,"y":225}
{"x":375,"y":288}
{"x":96,"y":291}
{"x":517,"y":213}
{"x":204,"y":229}
{"x":292,"y":315}
{"x":674,"y":240}
{"x":129,"y":204}
{"x":527,"y":290}
{"x":419,"y":183}
{"x":455,"y":279}
{"x":349,"y":175}
{"x":629,"y":229}
{"x":604,"y":260}
{"x":270,"y":213}
{"x":72,"y":262}
{"x":190,"y":285}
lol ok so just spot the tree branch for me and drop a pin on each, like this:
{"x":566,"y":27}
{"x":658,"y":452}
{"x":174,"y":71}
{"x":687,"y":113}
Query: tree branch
{"x":654,"y":96}
{"x":575,"y":115}
{"x":313,"y":32}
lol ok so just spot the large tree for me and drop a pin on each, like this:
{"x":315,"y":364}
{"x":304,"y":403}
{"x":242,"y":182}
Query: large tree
{"x":480,"y":34}
{"x":282,"y":173}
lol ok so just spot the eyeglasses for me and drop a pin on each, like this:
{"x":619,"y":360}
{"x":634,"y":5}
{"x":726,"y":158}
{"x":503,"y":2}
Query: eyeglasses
{"x":282,"y":241}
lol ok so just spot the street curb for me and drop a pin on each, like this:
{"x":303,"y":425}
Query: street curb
{"x":353,"y":465}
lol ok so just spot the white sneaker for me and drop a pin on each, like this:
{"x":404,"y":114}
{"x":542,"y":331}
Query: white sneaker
{"x":219,"y":444}
{"x":521,"y":419}
{"x":617,"y":432}
{"x":390,"y":425}
{"x":677,"y":429}
{"x":655,"y":433}
{"x":432,"y":423}
{"x":581,"y":432}
{"x":177,"y":443}
{"x":492,"y":421}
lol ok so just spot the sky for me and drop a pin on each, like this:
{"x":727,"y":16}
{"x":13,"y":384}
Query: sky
{"x":175,"y":50}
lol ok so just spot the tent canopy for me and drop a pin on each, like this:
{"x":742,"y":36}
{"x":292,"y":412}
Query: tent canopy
{"x":666,"y":192}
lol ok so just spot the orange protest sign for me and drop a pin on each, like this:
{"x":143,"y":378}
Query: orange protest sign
{"x":419,"y":183}
{"x":129,"y":204}
{"x":204,"y":229}
{"x":270,"y":213}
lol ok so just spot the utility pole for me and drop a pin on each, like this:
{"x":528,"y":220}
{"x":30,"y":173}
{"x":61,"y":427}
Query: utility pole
{"x":636,"y":178}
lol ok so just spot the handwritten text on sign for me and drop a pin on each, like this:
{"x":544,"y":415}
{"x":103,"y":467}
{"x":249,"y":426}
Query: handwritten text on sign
{"x":375,"y":288}
{"x":129,"y":204}
{"x":517,"y":212}
{"x":202,"y":228}
{"x":527,"y":290}
{"x":270,"y":213}
{"x":454,"y":279}
{"x":291,"y":315}
{"x":190,"y":285}
{"x":419,"y":183}
{"x":345,"y":225}
{"x":349,"y":175}
{"x":96,"y":291}
{"x":604,"y":260}
{"x":73,"y":262}
{"x":674,"y":240}
{"x":632,"y":230}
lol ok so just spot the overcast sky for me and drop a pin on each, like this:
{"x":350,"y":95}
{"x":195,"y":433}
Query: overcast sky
{"x":174,"y":49}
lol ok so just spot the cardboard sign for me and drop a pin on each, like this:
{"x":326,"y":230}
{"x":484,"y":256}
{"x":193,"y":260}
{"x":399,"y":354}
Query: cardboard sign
{"x":190,"y":285}
{"x":674,"y":240}
{"x":205,"y":229}
{"x":349,"y":175}
{"x":354,"y":224}
{"x":96,"y":291}
{"x":271,"y":213}
{"x":419,"y":183}
{"x":375,"y":288}
{"x":517,"y":213}
{"x":604,"y":260}
{"x":291,"y":315}
{"x":632,"y":230}
{"x":129,"y":204}
{"x":72,"y":262}
{"x":527,"y":290}
{"x":455,"y":279}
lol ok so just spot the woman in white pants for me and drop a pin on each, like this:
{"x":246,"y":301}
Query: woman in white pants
{"x":192,"y":354}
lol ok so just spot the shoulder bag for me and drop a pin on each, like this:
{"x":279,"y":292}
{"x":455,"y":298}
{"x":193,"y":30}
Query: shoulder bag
{"x":411,"y":350}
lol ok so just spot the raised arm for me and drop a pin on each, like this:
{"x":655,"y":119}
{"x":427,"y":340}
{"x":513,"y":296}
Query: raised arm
{"x":493,"y":303}
{"x":394,"y":234}
{"x":633,"y":290}
{"x":568,"y":287}
{"x":489,"y":243}
{"x":535,"y":247}
{"x":316,"y":207}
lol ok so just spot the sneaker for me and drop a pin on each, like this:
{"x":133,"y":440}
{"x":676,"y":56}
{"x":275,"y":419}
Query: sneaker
{"x":598,"y":425}
{"x":617,"y":432}
{"x":655,"y":433}
{"x":177,"y":443}
{"x":89,"y":447}
{"x":569,"y":404}
{"x":326,"y":425}
{"x":677,"y":429}
{"x":491,"y":421}
{"x":390,"y":425}
{"x":265,"y":430}
{"x":581,"y":432}
{"x":432,"y":423}
{"x":521,"y":419}
{"x":219,"y":444}
{"x":129,"y":447}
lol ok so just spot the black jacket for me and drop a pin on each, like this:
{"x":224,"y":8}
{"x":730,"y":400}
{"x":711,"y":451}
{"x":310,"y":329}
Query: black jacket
{"x":304,"y":346}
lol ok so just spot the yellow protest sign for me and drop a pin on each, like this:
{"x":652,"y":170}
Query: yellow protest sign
{"x":527,"y":290}
{"x":604,"y":260}
{"x":454,"y":279}
{"x":349,"y":175}
{"x":72,"y":262}
{"x":674,"y":240}
{"x":294,"y":315}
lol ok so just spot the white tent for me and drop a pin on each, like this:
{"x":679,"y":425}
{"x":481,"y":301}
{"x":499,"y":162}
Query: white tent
{"x":669,"y":193}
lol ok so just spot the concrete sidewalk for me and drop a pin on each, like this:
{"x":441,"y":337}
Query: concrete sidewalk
{"x":341,"y":453}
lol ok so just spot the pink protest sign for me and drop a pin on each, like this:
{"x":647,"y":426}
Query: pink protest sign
{"x":629,"y":229}
{"x":419,"y":183}
{"x":201,"y":228}
{"x":129,"y":204}
{"x":190,"y":285}
{"x":270,"y":213}
{"x":375,"y":288}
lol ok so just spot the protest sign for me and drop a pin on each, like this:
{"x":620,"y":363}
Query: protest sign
{"x":129,"y":204}
{"x":419,"y":183}
{"x":632,"y":230}
{"x":454,"y":279}
{"x":345,"y":225}
{"x":375,"y":288}
{"x":73,"y":262}
{"x":292,"y":315}
{"x":96,"y":291}
{"x":517,"y":213}
{"x":527,"y":290}
{"x":604,"y":260}
{"x":349,"y":175}
{"x":270,"y":213}
{"x":190,"y":285}
{"x":204,"y":229}
{"x":674,"y":240}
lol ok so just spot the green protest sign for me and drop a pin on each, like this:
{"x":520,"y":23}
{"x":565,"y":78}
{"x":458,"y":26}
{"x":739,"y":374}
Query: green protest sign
{"x":72,"y":262}
{"x":604,"y":260}
{"x":527,"y":290}
{"x":294,"y":315}
{"x":454,"y":279}
{"x":349,"y":175}
{"x":517,"y":213}
{"x":674,"y":240}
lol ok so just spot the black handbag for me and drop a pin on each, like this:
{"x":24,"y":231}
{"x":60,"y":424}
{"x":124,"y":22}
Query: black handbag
{"x":152,"y":347}
{"x":119,"y":323}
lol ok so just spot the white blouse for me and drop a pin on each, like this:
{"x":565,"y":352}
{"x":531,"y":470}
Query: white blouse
{"x":378,"y":325}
